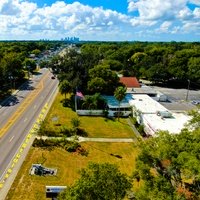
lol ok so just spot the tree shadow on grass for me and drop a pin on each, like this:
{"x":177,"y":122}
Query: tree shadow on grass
{"x":68,"y":102}
{"x":125,"y":124}
{"x":107,"y":119}
{"x":111,"y":154}
{"x":116,"y":155}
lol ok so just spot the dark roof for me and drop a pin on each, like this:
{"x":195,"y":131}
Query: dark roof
{"x":130,"y":82}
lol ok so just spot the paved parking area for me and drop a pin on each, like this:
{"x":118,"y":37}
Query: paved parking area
{"x":180,"y":99}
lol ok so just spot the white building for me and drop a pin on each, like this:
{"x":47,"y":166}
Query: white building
{"x":113,"y":106}
{"x":156,"y":117}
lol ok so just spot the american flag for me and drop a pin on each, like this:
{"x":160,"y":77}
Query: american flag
{"x":79,"y":94}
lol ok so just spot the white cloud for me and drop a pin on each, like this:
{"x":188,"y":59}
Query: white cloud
{"x":154,"y":9}
{"x":185,"y":14}
{"x":142,"y":22}
{"x":132,"y":5}
{"x":176,"y":29}
{"x":172,"y":16}
{"x":191,"y":27}
{"x":164,"y":27}
{"x":27,"y":8}
{"x":196,"y":13}
{"x":196,"y":2}
{"x":60,"y":19}
{"x":9,"y":7}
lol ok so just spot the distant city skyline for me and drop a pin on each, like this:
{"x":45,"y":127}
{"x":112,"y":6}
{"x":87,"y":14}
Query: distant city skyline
{"x":100,"y":20}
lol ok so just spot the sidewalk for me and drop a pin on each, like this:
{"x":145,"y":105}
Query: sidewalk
{"x":86,"y":139}
{"x":128,"y":140}
{"x":133,"y":128}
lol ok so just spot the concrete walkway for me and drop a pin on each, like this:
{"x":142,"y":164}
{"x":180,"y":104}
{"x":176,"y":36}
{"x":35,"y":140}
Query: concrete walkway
{"x":128,"y":140}
{"x":86,"y":139}
{"x":133,"y":128}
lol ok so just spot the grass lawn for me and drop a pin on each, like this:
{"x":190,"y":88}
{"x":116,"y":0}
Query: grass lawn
{"x":68,"y":164}
{"x":94,"y":126}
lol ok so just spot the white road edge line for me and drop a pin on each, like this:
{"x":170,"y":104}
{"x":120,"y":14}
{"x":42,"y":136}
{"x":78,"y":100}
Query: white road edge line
{"x":11,"y":138}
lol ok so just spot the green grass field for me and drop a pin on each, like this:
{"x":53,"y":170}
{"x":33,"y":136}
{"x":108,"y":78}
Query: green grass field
{"x":68,"y":164}
{"x":94,"y":126}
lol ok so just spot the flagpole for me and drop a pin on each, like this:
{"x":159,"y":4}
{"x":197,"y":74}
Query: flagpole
{"x":76,"y":100}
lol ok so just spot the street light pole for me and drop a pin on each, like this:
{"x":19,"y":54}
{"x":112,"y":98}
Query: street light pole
{"x":188,"y":88}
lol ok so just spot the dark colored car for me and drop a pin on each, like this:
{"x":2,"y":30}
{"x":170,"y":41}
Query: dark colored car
{"x":196,"y":102}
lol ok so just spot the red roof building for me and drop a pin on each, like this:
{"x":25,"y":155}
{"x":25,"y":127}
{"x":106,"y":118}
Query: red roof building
{"x":130,"y":82}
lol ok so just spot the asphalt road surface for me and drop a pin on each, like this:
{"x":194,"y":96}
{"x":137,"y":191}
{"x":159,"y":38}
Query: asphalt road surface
{"x":20,"y":111}
{"x":179,"y":99}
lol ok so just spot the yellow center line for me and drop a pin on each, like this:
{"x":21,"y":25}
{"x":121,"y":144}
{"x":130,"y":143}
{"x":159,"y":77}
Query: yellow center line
{"x":23,"y":106}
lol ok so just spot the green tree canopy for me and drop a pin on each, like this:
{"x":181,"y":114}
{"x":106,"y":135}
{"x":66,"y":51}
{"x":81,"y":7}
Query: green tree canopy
{"x":102,"y":79}
{"x":194,"y":68}
{"x":93,"y":102}
{"x":65,"y":87}
{"x":119,"y":94}
{"x":99,"y":182}
{"x":29,"y":64}
{"x":169,"y":165}
{"x":36,"y":52}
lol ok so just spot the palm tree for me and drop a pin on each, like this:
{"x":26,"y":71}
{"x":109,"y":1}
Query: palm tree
{"x":91,"y":102}
{"x":119,"y":94}
{"x":65,"y":87}
{"x":75,"y":124}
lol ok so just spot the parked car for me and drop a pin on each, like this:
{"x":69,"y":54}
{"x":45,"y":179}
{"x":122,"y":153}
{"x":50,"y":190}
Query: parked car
{"x":196,"y":102}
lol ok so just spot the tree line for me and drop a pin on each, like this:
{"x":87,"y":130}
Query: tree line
{"x":15,"y":61}
{"x":95,"y":66}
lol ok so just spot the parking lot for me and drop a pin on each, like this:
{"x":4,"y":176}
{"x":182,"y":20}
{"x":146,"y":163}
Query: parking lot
{"x":179,"y":99}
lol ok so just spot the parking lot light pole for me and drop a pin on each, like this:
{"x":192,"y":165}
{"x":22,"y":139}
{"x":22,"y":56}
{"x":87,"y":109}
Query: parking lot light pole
{"x":188,"y":88}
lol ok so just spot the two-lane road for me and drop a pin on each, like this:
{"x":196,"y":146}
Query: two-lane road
{"x":16,"y":120}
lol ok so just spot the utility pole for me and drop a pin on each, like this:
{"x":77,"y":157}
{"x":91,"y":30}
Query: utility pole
{"x":188,"y":88}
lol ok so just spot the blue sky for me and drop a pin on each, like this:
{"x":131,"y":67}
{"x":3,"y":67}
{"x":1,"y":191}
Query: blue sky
{"x":108,"y":20}
{"x":118,"y":5}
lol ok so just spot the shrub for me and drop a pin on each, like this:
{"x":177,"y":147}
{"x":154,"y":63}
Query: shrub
{"x":66,"y":132}
{"x":72,"y":147}
{"x":45,"y":143}
{"x":82,"y":151}
{"x":105,"y":113}
{"x":43,"y":131}
{"x":134,"y":120}
{"x":81,"y":132}
{"x":141,"y":130}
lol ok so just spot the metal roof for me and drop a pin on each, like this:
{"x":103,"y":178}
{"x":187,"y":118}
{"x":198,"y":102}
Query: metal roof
{"x":130,"y":82}
{"x":112,"y":102}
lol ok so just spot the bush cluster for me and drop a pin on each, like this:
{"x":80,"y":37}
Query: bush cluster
{"x":138,"y":126}
{"x":70,"y":146}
